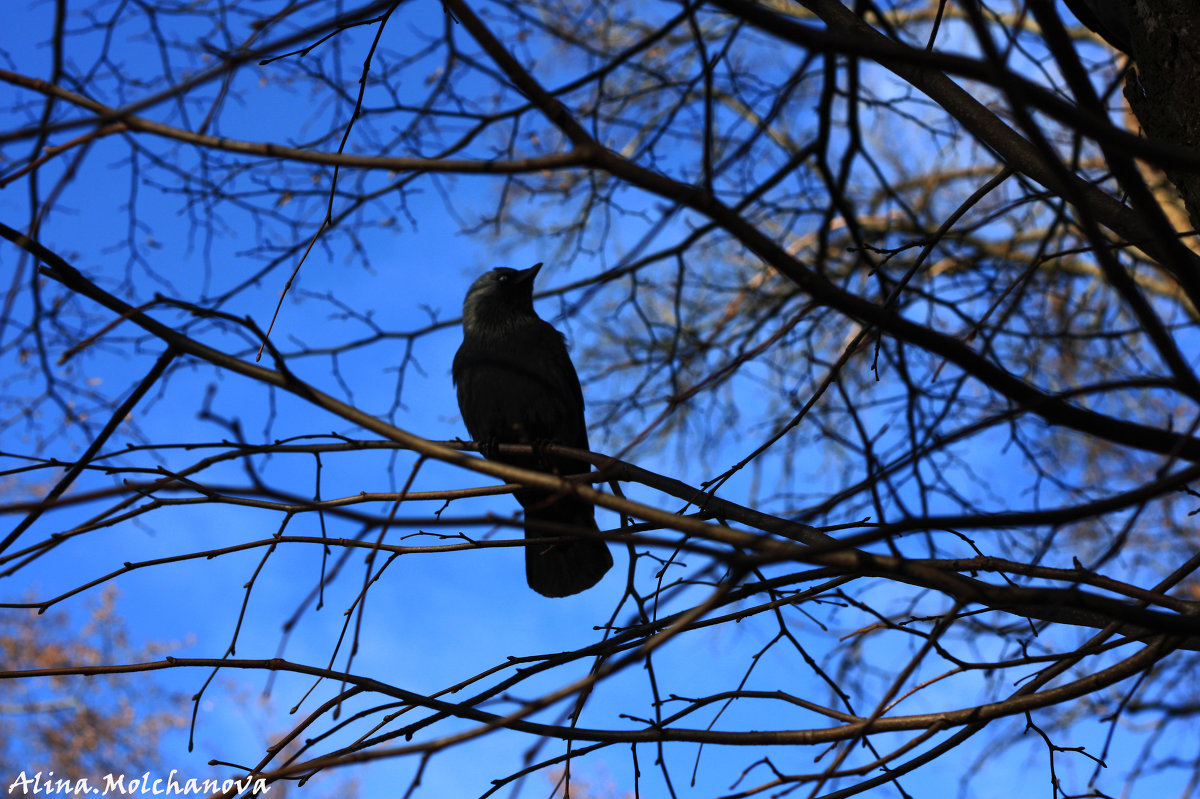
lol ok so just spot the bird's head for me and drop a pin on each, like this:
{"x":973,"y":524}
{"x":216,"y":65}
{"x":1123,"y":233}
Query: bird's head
{"x":498,"y":296}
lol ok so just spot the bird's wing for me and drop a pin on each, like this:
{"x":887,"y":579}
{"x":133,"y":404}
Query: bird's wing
{"x":563,"y":381}
{"x":522,"y":389}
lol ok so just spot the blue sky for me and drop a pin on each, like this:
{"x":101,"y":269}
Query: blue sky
{"x":431,"y":620}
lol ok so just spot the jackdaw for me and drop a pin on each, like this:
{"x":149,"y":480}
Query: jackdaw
{"x":516,"y":385}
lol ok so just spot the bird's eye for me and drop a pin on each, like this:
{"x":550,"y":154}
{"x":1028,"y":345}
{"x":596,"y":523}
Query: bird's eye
{"x":502,"y":277}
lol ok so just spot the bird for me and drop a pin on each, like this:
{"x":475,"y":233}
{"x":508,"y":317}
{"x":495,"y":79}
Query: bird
{"x":516,"y":385}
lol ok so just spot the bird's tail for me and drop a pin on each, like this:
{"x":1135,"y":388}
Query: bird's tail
{"x":569,"y":565}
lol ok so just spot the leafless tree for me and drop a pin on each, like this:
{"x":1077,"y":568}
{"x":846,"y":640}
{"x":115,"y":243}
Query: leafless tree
{"x":886,"y":315}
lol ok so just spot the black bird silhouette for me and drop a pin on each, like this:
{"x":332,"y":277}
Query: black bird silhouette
{"x":516,"y":385}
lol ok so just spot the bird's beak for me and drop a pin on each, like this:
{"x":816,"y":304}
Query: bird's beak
{"x":527,"y":275}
